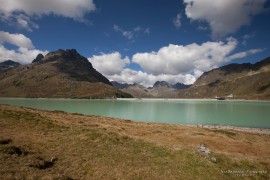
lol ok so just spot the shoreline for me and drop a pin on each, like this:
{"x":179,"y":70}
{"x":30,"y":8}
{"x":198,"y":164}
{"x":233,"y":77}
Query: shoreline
{"x":195,"y":99}
{"x":265,"y":131}
{"x":256,"y":130}
{"x":150,"y":99}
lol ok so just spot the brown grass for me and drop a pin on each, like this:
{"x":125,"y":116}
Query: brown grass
{"x":93,"y":147}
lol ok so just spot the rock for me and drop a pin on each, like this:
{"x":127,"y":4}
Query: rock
{"x":54,"y":159}
{"x":203,"y":150}
{"x":214,"y":159}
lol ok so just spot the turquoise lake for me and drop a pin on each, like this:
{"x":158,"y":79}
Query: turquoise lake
{"x":211,"y":112}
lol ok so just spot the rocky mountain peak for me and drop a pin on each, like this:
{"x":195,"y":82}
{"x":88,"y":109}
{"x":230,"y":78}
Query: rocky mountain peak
{"x":9,"y":64}
{"x":180,"y":86}
{"x":160,"y":84}
{"x":62,"y":73}
{"x":69,"y":54}
{"x":38,"y":58}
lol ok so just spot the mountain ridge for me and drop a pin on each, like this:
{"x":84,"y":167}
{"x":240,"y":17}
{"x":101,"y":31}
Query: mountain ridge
{"x":62,"y":73}
{"x":9,"y":64}
{"x":244,"y":81}
{"x":160,"y":89}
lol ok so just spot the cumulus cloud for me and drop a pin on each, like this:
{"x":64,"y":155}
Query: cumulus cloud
{"x":25,"y":51}
{"x":16,"y":39}
{"x":177,"y":21}
{"x":109,"y":64}
{"x":131,"y":76}
{"x":224,"y":16}
{"x":21,"y":55}
{"x":175,"y":59}
{"x":22,"y":10}
{"x":172,"y":63}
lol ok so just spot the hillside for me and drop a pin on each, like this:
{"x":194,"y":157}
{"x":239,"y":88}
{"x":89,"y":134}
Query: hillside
{"x":248,"y":81}
{"x":36,"y":144}
{"x":60,"y":74}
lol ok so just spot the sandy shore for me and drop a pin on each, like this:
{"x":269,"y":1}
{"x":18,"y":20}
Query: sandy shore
{"x":265,"y":131}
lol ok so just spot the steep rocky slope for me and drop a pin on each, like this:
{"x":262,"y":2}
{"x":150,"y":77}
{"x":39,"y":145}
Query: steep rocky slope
{"x":248,"y":81}
{"x":63,"y":74}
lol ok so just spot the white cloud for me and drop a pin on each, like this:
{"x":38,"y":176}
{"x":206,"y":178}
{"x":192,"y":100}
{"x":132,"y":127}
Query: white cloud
{"x":176,"y":59}
{"x":224,"y":16}
{"x":244,"y":53}
{"x":23,"y":21}
{"x":131,"y":76}
{"x":130,"y":34}
{"x":177,"y":21}
{"x":12,"y":9}
{"x":147,"y":31}
{"x":126,"y":34}
{"x":173,"y":63}
{"x":25,"y":52}
{"x":21,"y":55}
{"x":137,"y":29}
{"x":109,"y":64}
{"x":15,"y":39}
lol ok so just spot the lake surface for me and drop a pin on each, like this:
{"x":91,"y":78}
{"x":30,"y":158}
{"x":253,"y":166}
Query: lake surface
{"x":236,"y":113}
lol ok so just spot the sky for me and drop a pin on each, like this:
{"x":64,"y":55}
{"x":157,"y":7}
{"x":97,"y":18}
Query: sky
{"x":139,"y":41}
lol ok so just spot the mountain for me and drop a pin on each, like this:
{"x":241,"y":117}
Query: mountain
{"x":137,"y":91}
{"x":160,"y":89}
{"x":9,"y":64}
{"x":119,"y":85}
{"x":179,"y":86}
{"x":159,"y":84}
{"x":60,"y":74}
{"x":38,"y":58}
{"x":248,"y":81}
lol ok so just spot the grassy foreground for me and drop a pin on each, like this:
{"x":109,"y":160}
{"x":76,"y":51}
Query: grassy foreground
{"x":37,"y":144}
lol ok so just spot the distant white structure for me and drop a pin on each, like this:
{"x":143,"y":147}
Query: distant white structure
{"x":230,"y":96}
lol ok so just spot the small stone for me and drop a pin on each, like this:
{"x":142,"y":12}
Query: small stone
{"x":214,"y":159}
{"x":203,"y":150}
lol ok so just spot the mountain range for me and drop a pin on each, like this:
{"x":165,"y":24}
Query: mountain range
{"x":60,"y":74}
{"x":67,"y":74}
{"x":160,"y":89}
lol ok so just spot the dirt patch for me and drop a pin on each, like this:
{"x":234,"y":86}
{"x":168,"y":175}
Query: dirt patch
{"x":40,"y":163}
{"x":5,"y":141}
{"x":13,"y":150}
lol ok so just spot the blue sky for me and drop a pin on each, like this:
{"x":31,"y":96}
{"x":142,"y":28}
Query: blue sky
{"x":139,"y":41}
